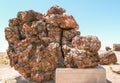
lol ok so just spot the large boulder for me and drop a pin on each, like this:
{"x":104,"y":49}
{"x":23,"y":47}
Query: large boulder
{"x":40,"y":43}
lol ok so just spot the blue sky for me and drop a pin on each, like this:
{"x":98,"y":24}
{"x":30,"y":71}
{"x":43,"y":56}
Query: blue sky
{"x":95,"y":17}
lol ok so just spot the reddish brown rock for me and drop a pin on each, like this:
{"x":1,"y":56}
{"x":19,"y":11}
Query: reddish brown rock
{"x":62,"y":21}
{"x":14,"y":22}
{"x":29,"y":16}
{"x":54,"y":33}
{"x":55,"y":10}
{"x":68,"y":35}
{"x":76,"y":58}
{"x":107,"y":58}
{"x":90,"y":43}
{"x":40,"y":43}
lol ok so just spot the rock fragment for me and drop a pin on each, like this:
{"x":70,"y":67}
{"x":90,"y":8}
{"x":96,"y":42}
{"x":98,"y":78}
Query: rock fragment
{"x":107,"y":58}
{"x":55,"y":10}
{"x":90,"y":43}
{"x":107,"y":48}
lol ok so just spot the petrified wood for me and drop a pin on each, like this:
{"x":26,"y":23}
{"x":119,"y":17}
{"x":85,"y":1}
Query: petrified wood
{"x":40,"y":43}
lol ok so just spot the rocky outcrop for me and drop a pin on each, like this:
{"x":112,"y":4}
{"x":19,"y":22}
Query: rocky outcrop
{"x":40,"y":43}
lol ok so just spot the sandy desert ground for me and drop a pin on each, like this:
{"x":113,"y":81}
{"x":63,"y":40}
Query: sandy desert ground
{"x":111,"y":76}
{"x":9,"y":75}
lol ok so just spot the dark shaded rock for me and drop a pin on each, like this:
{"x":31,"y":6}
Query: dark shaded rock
{"x":107,"y":58}
{"x":107,"y":48}
{"x":68,"y":35}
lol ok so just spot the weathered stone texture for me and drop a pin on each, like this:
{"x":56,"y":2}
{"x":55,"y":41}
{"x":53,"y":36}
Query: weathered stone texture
{"x":40,"y":43}
{"x":107,"y":58}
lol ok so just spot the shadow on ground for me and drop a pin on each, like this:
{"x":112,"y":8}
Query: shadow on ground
{"x":108,"y":81}
{"x":20,"y":79}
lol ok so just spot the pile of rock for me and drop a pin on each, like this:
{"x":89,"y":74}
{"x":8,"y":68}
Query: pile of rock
{"x":40,"y":43}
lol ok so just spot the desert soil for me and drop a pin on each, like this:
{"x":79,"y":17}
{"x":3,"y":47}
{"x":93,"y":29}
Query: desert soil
{"x":9,"y":75}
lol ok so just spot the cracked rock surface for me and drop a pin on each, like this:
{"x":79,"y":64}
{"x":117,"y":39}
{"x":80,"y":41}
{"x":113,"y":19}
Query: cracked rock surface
{"x":40,"y":43}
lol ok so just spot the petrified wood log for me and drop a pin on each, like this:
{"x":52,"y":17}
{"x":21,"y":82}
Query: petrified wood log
{"x":40,"y":43}
{"x":107,"y":58}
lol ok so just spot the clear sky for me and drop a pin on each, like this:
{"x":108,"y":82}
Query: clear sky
{"x":95,"y":17}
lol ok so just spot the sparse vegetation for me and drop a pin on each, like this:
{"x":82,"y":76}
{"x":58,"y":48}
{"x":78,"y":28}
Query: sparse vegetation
{"x":4,"y":58}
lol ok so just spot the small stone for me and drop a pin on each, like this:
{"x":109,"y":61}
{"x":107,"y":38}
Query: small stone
{"x":107,"y":58}
{"x":116,"y":47}
{"x":107,"y":48}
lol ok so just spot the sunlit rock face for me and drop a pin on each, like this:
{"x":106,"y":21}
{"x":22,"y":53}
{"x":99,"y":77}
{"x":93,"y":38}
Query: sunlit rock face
{"x":107,"y":57}
{"x":40,"y":43}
